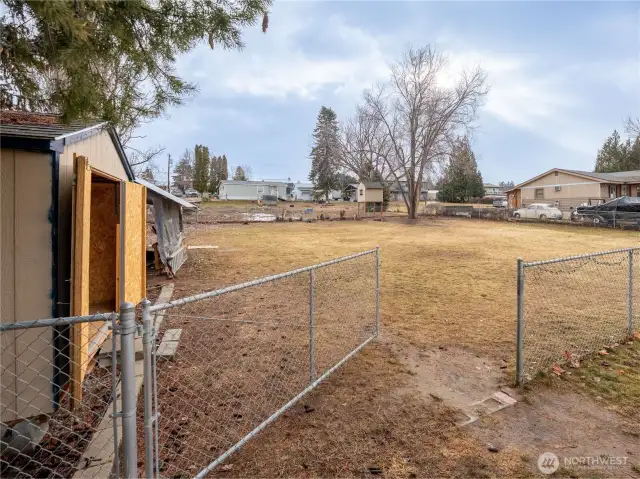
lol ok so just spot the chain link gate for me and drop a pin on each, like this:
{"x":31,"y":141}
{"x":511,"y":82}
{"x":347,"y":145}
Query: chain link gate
{"x":46,"y":431}
{"x":569,"y":308}
{"x":223,"y":365}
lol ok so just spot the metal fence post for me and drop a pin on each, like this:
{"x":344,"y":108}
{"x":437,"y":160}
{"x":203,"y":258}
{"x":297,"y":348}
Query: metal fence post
{"x":312,"y":325}
{"x":377,"y":291}
{"x":630,"y":293}
{"x":128,"y":379}
{"x":147,"y":345}
{"x":520,"y":324}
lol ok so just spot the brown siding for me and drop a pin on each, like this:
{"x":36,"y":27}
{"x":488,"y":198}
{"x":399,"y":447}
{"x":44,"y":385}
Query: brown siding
{"x":26,"y":282}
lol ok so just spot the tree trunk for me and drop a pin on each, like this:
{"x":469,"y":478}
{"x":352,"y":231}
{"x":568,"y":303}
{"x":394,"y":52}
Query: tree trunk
{"x":413,"y":208}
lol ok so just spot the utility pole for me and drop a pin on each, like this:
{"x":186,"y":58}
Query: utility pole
{"x":169,"y":173}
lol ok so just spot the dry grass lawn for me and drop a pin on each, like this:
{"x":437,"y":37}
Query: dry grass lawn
{"x":444,"y":282}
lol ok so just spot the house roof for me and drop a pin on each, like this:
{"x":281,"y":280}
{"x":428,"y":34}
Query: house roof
{"x":159,"y":191}
{"x":618,"y":177}
{"x":373,"y":185}
{"x":47,"y":132}
{"x":621,"y":176}
{"x":490,"y":185}
{"x":252,"y":182}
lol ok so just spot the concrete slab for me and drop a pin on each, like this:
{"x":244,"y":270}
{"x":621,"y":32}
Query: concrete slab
{"x":169,"y":344}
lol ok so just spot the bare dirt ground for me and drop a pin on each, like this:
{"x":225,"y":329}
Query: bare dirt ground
{"x":448,"y":309}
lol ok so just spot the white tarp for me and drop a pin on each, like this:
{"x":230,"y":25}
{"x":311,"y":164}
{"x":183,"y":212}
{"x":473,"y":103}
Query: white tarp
{"x":168,"y":228}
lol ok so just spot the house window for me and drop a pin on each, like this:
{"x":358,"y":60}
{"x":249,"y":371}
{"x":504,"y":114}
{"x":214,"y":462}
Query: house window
{"x":539,"y":194}
{"x":612,"y":191}
{"x":361,"y":191}
{"x":555,"y":173}
{"x":625,"y":190}
{"x":637,"y":190}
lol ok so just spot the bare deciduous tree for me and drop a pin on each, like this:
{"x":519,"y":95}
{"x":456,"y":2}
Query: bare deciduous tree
{"x":365,"y":145}
{"x":632,"y":126}
{"x":421,"y":113}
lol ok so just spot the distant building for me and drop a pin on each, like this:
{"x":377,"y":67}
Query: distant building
{"x":182,"y":181}
{"x":306,"y":192}
{"x":491,"y":190}
{"x":252,"y":190}
{"x":568,"y":189}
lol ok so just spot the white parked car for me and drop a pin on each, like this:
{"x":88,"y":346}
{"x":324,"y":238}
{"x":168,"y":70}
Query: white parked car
{"x":538,"y":211}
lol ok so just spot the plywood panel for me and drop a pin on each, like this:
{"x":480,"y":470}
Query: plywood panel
{"x":102,"y":264}
{"x":102,"y":257}
{"x":82,"y":228}
{"x":135,"y":224}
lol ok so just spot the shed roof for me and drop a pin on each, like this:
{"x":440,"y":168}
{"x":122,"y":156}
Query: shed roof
{"x":47,"y":132}
{"x":165,"y":194}
{"x":372,"y":185}
{"x":40,"y":125}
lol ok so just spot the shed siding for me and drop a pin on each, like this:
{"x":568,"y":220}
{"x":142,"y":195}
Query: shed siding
{"x":101,"y":153}
{"x":368,"y":195}
{"x":26,"y":282}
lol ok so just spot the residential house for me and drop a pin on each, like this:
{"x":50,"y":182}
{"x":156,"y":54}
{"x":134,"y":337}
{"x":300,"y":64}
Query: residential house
{"x":568,"y":189}
{"x":492,"y":190}
{"x":182,"y":181}
{"x":252,"y":190}
{"x":306,"y":192}
{"x":396,"y":188}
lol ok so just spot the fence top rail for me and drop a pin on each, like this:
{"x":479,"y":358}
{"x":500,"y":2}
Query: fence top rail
{"x":41,"y":323}
{"x":248,"y":284}
{"x":579,"y":256}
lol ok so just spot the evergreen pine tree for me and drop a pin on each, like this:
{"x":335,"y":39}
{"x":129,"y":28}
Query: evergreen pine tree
{"x":325,"y":153}
{"x":201,"y":169}
{"x":615,"y":155}
{"x":224,"y":168}
{"x":462,"y":179}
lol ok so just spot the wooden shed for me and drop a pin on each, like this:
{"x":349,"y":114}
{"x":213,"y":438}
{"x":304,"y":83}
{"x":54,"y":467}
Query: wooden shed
{"x":73,"y":243}
{"x":370,"y":198}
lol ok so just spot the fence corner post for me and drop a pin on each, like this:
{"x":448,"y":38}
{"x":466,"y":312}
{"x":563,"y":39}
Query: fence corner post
{"x":128,"y":379}
{"x":630,"y":294}
{"x":148,"y":343}
{"x":520,"y":324}
{"x":312,"y":326}
{"x":377,"y":291}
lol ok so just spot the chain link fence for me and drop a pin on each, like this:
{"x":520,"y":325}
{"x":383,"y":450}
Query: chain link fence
{"x":229,"y":362}
{"x":249,"y":214}
{"x":57,"y":402}
{"x":573,"y":307}
{"x":559,"y":213}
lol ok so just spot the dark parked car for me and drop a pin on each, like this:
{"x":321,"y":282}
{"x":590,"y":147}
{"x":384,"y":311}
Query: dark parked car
{"x":623,"y":210}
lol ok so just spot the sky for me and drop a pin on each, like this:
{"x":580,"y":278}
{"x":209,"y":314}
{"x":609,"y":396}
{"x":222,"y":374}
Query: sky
{"x":562,"y":76}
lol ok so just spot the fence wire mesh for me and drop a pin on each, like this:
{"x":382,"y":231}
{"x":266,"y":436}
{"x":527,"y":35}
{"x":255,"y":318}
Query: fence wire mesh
{"x":227,"y":364}
{"x":574,"y":307}
{"x":48,"y":428}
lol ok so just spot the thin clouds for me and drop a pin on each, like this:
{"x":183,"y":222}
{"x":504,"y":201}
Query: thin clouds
{"x":312,"y":54}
